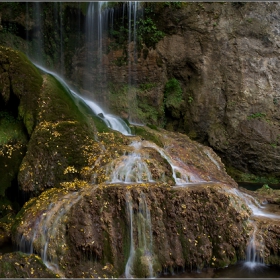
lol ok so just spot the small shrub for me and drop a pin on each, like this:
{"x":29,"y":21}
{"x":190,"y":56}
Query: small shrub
{"x":172,"y":94}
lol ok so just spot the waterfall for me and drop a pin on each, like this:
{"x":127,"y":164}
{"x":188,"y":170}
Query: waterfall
{"x":132,"y":10}
{"x":61,"y":39}
{"x":181,"y":172}
{"x":38,"y":47}
{"x":128,"y":267}
{"x":46,"y":235}
{"x":254,"y":250}
{"x":145,"y":233}
{"x":130,"y":168}
{"x":98,"y":20}
{"x":111,"y":121}
{"x":256,"y":208}
{"x":143,"y":251}
{"x":212,"y":159}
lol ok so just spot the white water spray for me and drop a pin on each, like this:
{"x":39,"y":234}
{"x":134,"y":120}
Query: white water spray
{"x":111,"y":121}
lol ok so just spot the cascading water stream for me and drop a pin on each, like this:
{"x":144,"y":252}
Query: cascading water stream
{"x":46,"y":237}
{"x":142,"y":221}
{"x":145,"y":232}
{"x":256,"y":208}
{"x":48,"y":231}
{"x":255,"y":247}
{"x":254,"y":250}
{"x":133,"y":16}
{"x":128,"y":267}
{"x":130,"y":168}
{"x":111,"y":121}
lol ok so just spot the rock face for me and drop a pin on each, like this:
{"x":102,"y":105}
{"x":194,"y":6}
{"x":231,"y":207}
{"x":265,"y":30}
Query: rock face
{"x":224,"y":56}
{"x":195,"y":227}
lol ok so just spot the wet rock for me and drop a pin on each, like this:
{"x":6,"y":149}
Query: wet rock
{"x":20,"y":265}
{"x":95,"y":228}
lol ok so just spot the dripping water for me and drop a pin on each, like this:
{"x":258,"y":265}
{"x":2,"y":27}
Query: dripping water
{"x":254,"y":250}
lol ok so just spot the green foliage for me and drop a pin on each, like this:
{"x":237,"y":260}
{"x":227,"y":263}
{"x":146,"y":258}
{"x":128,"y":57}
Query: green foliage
{"x":266,"y":187}
{"x":172,"y":94}
{"x":256,"y":116}
{"x":148,"y":33}
{"x":149,"y":113}
{"x":120,"y":61}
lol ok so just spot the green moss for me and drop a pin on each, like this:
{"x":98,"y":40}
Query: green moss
{"x":63,"y":131}
{"x":25,"y":84}
{"x":140,"y":130}
{"x":256,"y":116}
{"x":12,"y":150}
{"x":11,"y":129}
{"x":173,"y":96}
{"x":148,"y":113}
{"x":240,"y":176}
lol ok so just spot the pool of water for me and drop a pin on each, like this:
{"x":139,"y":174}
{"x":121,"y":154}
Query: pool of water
{"x":238,"y":270}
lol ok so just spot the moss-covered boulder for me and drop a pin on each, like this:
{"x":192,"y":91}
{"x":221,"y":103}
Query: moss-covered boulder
{"x":56,"y":151}
{"x":20,"y":265}
{"x":20,"y":85}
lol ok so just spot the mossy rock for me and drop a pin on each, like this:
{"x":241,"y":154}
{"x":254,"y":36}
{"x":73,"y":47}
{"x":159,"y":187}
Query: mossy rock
{"x":240,"y":176}
{"x":7,"y":218}
{"x":20,"y":265}
{"x":24,"y":84}
{"x":147,"y":134}
{"x":13,"y":142}
{"x":58,"y":141}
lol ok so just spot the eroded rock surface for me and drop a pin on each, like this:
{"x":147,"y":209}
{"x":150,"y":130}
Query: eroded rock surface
{"x":197,"y":226}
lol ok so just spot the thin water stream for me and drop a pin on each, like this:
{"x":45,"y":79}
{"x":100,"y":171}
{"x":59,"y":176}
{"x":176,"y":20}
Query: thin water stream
{"x":111,"y":121}
{"x":141,"y":245}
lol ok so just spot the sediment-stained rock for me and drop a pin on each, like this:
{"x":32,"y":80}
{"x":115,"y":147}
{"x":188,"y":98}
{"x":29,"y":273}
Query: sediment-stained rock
{"x":198,"y":226}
